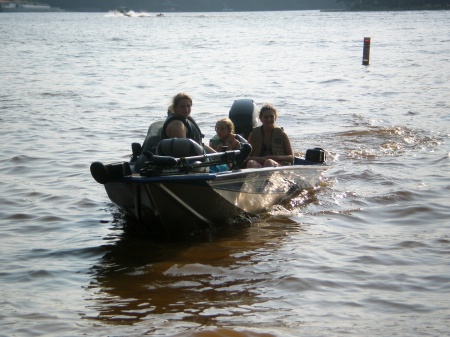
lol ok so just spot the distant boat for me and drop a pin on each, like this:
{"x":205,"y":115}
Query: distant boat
{"x":160,"y":14}
{"x":123,"y":10}
{"x":23,"y":6}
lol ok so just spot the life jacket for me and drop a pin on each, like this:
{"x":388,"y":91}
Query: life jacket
{"x":215,"y":141}
{"x":193,"y":131}
{"x":276,"y":142}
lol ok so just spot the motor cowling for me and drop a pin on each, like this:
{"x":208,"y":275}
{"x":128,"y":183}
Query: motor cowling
{"x":110,"y":172}
{"x":317,"y":155}
{"x":245,"y":116}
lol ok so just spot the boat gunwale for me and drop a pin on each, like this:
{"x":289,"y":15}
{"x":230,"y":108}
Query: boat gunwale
{"x":199,"y":177}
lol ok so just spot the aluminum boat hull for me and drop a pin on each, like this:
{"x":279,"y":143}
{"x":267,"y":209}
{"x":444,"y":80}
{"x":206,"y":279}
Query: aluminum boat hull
{"x":185,"y":203}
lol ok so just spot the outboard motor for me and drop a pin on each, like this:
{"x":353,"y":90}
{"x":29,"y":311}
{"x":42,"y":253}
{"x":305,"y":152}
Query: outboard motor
{"x":111,"y":172}
{"x":245,"y":116}
{"x":317,"y":155}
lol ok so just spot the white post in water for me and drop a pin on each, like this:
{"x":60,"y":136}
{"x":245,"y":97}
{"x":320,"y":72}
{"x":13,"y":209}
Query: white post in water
{"x":366,"y":51}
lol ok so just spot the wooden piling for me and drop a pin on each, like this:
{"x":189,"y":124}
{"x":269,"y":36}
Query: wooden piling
{"x":366,"y":51}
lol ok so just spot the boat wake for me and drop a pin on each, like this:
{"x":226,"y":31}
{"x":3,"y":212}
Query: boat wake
{"x":130,"y":14}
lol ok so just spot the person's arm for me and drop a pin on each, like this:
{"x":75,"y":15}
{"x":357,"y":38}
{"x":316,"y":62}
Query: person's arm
{"x":232,"y":144}
{"x":236,"y":145}
{"x":289,"y":157}
{"x":259,"y":160}
{"x":208,"y":149}
{"x":176,"y":129}
{"x":250,"y":138}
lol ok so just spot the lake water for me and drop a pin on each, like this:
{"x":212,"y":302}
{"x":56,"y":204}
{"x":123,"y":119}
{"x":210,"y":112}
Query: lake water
{"x":366,"y":254}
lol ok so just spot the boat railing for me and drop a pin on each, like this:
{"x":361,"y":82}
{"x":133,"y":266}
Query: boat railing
{"x":168,"y":165}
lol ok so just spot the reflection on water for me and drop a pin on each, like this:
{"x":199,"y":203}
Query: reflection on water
{"x":219,"y":274}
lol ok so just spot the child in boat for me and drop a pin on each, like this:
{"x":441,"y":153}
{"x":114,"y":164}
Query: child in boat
{"x":224,"y":136}
{"x":271,"y":146}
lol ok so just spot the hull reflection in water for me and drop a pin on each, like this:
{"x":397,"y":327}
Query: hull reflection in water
{"x":207,"y":281}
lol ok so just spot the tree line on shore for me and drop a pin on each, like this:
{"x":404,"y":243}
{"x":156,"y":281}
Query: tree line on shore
{"x":395,"y":4}
{"x":194,"y":5}
{"x":242,"y":5}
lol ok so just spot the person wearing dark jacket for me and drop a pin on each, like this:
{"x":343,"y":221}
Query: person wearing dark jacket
{"x":180,"y":124}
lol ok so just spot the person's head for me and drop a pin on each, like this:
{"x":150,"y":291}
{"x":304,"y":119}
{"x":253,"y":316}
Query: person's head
{"x":268,"y":114}
{"x":224,"y":127}
{"x":181,"y":104}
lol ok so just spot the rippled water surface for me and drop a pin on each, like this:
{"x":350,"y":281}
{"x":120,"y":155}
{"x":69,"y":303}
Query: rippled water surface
{"x":365,"y":254}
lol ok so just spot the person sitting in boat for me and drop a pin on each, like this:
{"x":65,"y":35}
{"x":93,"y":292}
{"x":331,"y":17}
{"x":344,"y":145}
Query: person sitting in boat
{"x":180,"y":124}
{"x":271,"y":146}
{"x":225,"y":136}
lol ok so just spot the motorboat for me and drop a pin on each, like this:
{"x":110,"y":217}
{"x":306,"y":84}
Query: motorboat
{"x":123,"y":10}
{"x":170,"y":184}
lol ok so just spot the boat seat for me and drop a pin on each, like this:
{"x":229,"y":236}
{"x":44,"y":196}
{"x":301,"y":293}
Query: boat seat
{"x":153,"y":137}
{"x":150,"y":143}
{"x":241,"y":139}
{"x":179,"y":147}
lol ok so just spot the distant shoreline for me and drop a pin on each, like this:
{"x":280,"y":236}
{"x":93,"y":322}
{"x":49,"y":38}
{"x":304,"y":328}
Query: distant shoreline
{"x":42,"y":8}
{"x":388,"y":9}
{"x":26,"y":7}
